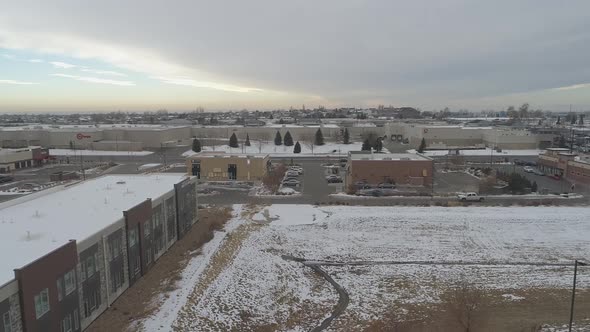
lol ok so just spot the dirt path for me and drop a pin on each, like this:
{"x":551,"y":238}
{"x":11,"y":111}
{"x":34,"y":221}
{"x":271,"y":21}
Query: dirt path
{"x":222,"y":258}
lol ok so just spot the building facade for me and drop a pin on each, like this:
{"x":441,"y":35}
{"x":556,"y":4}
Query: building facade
{"x":560,"y":162}
{"x":399,"y":168}
{"x":226,"y":167}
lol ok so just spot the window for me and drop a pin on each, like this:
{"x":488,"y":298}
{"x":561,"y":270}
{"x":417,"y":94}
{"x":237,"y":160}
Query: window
{"x":66,"y":323}
{"x":132,"y":237}
{"x":60,"y":290}
{"x":91,"y":302}
{"x":76,"y":320}
{"x":114,"y":247}
{"x":70,"y":282}
{"x":6,"y":321}
{"x":90,"y":266}
{"x":42,"y":303}
{"x":147,"y":228}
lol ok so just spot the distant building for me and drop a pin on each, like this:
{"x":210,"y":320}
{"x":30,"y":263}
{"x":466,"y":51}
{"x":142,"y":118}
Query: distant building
{"x":223,"y":167}
{"x":401,"y":168}
{"x":13,"y":159}
{"x":559,"y":161}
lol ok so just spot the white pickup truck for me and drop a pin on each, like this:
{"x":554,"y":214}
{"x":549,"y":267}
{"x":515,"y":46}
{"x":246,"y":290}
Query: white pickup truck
{"x":471,"y":197}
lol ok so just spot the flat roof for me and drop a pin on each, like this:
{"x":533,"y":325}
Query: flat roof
{"x":557,"y":149}
{"x":387,"y":156}
{"x":32,"y":228}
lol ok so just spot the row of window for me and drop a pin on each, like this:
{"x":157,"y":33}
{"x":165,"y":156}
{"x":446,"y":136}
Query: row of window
{"x":88,"y":266}
{"x":7,"y":322}
{"x":66,"y":284}
{"x":71,"y":322}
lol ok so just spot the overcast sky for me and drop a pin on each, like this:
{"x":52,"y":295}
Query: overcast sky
{"x":135,"y":55}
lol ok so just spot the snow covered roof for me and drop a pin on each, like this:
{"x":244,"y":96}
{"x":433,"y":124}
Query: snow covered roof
{"x":33,"y":228}
{"x":387,"y":156}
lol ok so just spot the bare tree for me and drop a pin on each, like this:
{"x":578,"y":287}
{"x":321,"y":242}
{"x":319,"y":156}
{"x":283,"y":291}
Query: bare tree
{"x":465,"y":308}
{"x":309,"y":141}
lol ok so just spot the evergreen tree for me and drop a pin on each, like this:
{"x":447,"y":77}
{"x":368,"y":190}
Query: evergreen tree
{"x":573,"y":119}
{"x":366,"y":145}
{"x":196,"y":145}
{"x":378,"y":145}
{"x":278,"y":139}
{"x":558,"y":120}
{"x":581,"y":122}
{"x":288,"y":140}
{"x":534,"y":187}
{"x":319,"y":137}
{"x":247,"y":143}
{"x":233,"y":141}
{"x":562,"y":142}
{"x":422,"y":146}
{"x":297,"y":148}
{"x":346,"y":136}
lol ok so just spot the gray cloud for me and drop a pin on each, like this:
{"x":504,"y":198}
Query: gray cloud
{"x":345,"y":51}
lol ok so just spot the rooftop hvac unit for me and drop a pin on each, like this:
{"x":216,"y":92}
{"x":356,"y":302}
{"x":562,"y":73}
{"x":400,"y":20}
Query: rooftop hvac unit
{"x":404,"y":158}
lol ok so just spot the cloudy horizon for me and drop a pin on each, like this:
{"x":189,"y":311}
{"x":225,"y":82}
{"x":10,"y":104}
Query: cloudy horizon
{"x":263,"y":54}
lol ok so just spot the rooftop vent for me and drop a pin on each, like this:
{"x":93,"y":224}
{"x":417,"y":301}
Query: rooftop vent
{"x":121,"y":182}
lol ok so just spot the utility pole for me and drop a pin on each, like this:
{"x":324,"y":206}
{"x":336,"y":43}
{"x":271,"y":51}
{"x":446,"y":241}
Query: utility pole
{"x":576,"y":263}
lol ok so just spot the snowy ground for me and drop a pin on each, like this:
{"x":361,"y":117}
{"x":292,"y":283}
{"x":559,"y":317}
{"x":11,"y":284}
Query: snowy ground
{"x":482,"y":152}
{"x":68,"y":152}
{"x":270,"y":148}
{"x":258,"y":288}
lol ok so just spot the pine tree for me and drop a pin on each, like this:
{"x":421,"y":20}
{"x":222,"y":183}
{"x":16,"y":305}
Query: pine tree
{"x":366,"y":145}
{"x":196,"y":145}
{"x":247,"y":142}
{"x":581,"y":122}
{"x":573,"y":119}
{"x":233,"y":141}
{"x":534,"y":187}
{"x":319,"y":137}
{"x":422,"y":146}
{"x":558,"y":120}
{"x":288,"y":140}
{"x":346,"y":136}
{"x":278,"y":139}
{"x":378,"y":145}
{"x":297,"y":148}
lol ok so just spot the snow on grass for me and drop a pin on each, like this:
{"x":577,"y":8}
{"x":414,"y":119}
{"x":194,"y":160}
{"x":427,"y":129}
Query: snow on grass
{"x":259,"y":288}
{"x":164,"y":317}
{"x":482,"y":152}
{"x":269,"y":148}
{"x":72,"y":153}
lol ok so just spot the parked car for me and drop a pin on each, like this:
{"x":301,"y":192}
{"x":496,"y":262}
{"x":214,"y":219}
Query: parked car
{"x":362,"y":185}
{"x":333,"y":179}
{"x":290,"y":183}
{"x":4,"y":179}
{"x":290,"y":177}
{"x":386,"y":185}
{"x":371,"y":192}
{"x":297,"y":169}
{"x":538,"y":172}
{"x":528,"y":169}
{"x":470,"y":197}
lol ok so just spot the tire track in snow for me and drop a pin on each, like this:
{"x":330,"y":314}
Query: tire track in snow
{"x":343,"y":298}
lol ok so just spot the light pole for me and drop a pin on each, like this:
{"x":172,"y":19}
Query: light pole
{"x":576,"y":263}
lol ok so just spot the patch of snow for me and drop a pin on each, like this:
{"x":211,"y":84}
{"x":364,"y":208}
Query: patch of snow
{"x":482,"y":152}
{"x":512,"y":297}
{"x":73,"y":153}
{"x":329,"y":148}
{"x":148,"y":166}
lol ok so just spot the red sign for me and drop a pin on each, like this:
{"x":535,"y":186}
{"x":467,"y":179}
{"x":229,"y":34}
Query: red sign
{"x":82,"y":136}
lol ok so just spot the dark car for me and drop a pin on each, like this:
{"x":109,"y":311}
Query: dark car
{"x":5,"y":178}
{"x":386,"y":185}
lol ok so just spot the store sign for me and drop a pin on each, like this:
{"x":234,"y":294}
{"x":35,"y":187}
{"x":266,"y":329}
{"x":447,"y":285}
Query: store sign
{"x":82,"y":136}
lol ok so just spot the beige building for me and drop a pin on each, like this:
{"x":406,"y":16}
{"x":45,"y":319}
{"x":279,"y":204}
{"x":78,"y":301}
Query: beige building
{"x":224,"y":167}
{"x":13,"y":159}
{"x":399,"y":168}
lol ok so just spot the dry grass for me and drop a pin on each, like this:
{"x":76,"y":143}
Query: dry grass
{"x":139,"y":300}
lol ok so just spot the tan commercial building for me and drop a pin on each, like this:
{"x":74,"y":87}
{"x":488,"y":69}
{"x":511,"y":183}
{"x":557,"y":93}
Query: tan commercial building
{"x":400,"y":168}
{"x":224,"y":167}
{"x":13,"y":159}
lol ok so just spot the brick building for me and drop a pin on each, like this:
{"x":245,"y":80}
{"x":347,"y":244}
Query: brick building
{"x":559,"y":161}
{"x":77,"y":248}
{"x":401,"y":168}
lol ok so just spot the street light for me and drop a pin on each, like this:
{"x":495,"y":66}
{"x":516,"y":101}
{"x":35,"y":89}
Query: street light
{"x":576,"y":263}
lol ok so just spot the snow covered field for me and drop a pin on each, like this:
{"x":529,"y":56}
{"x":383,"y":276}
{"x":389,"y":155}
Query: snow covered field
{"x":482,"y":152}
{"x":270,"y":148}
{"x":69,"y":153}
{"x":502,"y":249}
